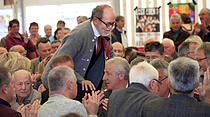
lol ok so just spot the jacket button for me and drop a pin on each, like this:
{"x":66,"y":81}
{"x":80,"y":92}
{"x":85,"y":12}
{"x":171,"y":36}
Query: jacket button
{"x":84,"y":69}
{"x":91,"y":50}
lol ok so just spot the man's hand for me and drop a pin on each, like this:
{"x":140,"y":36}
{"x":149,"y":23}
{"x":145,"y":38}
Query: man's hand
{"x":204,"y":88}
{"x":91,"y":103}
{"x":32,"y":110}
{"x":86,"y":84}
{"x":105,"y":103}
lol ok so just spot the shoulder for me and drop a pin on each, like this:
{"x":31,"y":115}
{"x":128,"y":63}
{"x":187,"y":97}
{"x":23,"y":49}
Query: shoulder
{"x":5,"y":111}
{"x":34,"y":60}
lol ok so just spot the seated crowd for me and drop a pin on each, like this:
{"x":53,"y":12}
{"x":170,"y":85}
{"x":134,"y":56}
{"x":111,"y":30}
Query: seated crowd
{"x":81,"y":73}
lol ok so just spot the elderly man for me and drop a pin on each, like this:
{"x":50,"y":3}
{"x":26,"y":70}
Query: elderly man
{"x":119,"y":35}
{"x":116,"y":75}
{"x":84,"y":45}
{"x":43,"y":48}
{"x":18,"y":48}
{"x":169,"y":48}
{"x":188,"y":49}
{"x":176,"y":33}
{"x":118,"y":49}
{"x":23,"y":88}
{"x":48,"y":32}
{"x":63,"y":88}
{"x":154,"y":50}
{"x":203,"y":29}
{"x":7,"y":94}
{"x":128,"y":102}
{"x":202,"y":55}
{"x":183,"y":80}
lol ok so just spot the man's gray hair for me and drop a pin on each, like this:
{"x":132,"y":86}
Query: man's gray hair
{"x":205,"y":46}
{"x":22,"y":70}
{"x":143,"y":73}
{"x":184,"y":74}
{"x":120,"y":65}
{"x":184,"y":47}
{"x":175,"y":16}
{"x":160,"y":64}
{"x":58,"y":78}
{"x":169,"y":41}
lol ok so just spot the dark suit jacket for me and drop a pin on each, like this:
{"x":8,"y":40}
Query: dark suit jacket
{"x":176,"y":106}
{"x":128,"y":102}
{"x":181,"y":37}
{"x":101,"y":111}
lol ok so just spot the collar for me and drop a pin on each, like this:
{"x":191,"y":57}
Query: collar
{"x":3,"y":102}
{"x":95,"y":31}
{"x":182,"y":97}
{"x":119,"y":29}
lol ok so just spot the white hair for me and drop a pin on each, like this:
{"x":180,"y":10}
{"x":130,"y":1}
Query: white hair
{"x":171,"y":42}
{"x":175,"y":16}
{"x":143,"y":73}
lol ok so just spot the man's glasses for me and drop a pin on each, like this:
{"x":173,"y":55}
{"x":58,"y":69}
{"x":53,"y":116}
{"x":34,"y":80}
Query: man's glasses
{"x":107,"y":24}
{"x":160,"y":81}
{"x":199,"y":60}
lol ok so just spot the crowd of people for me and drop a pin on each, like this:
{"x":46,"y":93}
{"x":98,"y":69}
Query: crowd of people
{"x":91,"y":71}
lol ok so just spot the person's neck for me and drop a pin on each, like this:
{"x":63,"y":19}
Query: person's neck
{"x":60,"y":93}
{"x":187,"y":94}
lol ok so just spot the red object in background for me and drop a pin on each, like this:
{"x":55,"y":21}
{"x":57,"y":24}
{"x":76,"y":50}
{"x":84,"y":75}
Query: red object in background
{"x":141,"y":49}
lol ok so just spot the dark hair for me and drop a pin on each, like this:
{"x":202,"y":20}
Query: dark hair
{"x":61,"y":59}
{"x":33,"y":24}
{"x":186,"y":18}
{"x":128,"y":50}
{"x":135,"y":55}
{"x":14,"y":21}
{"x":118,"y":18}
{"x":154,"y":46}
{"x":4,"y":76}
{"x":56,"y":31}
{"x":61,"y":22}
{"x":55,"y":41}
{"x":41,"y":40}
{"x":98,"y":11}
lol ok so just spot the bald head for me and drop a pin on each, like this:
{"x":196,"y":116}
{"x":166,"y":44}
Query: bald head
{"x":118,"y":49}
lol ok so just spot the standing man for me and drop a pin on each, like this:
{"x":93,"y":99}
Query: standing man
{"x":88,"y":47}
{"x":48,"y":32}
{"x":119,"y":35}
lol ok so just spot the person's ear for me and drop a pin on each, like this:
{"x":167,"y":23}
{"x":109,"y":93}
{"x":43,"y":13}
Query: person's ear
{"x":4,"y":89}
{"x":69,"y":85}
{"x":122,"y":75}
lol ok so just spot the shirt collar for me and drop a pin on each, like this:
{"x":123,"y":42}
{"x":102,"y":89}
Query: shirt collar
{"x":95,"y":31}
{"x":4,"y":102}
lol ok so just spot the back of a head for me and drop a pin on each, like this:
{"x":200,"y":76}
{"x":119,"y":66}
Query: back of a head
{"x":194,"y":38}
{"x":63,"y":58}
{"x":149,"y":40}
{"x":186,"y":18}
{"x":184,"y":48}
{"x":143,"y":73}
{"x":58,"y":77}
{"x":183,"y":74}
{"x":7,"y":56}
{"x":167,"y":40}
{"x":4,"y":76}
{"x":160,"y":64}
{"x":120,"y":65}
{"x":205,"y":46}
{"x":129,"y":50}
{"x":154,"y":46}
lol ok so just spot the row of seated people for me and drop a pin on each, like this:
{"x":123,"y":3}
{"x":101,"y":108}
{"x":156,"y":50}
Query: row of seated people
{"x":61,"y":83}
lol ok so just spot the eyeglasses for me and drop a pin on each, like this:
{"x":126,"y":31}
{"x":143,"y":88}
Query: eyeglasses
{"x":202,"y":14}
{"x":107,"y":24}
{"x":199,"y":60}
{"x":160,"y":81}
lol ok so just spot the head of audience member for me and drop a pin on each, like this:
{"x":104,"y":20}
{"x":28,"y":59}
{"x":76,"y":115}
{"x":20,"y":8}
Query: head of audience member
{"x":2,"y":50}
{"x":144,"y":73}
{"x":175,"y":22}
{"x":205,"y":16}
{"x":61,"y":24}
{"x":7,"y":56}
{"x":66,"y":31}
{"x":7,"y":90}
{"x":187,"y":49}
{"x":55,"y":44}
{"x":202,"y":55}
{"x":136,"y":61}
{"x":58,"y":34}
{"x":154,"y":50}
{"x":62,"y":59}
{"x":48,"y":30}
{"x":14,"y":25}
{"x":116,"y":73}
{"x":18,"y":48}
{"x":23,"y":84}
{"x":194,"y":38}
{"x":162,"y":67}
{"x":103,"y":18}
{"x":15,"y":64}
{"x":183,"y":76}
{"x":120,"y":22}
{"x":118,"y":49}
{"x":149,"y":40}
{"x":62,"y":80}
{"x":136,"y":55}
{"x":43,"y":47}
{"x":81,"y":19}
{"x":128,"y":52}
{"x":169,"y":47}
{"x":34,"y":28}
